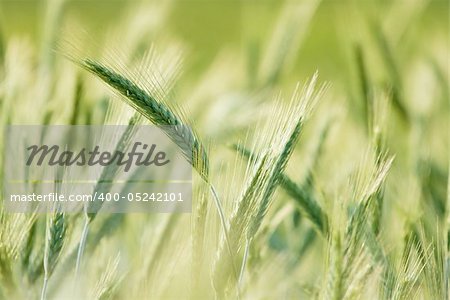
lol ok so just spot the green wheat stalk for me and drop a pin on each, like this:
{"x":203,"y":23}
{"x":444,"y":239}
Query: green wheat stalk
{"x":160,"y":114}
{"x":267,"y":167}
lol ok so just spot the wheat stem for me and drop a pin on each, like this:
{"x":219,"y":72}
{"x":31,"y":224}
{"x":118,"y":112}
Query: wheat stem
{"x":244,"y":262}
{"x":44,"y":288}
{"x":224,"y":225}
{"x":82,"y":245}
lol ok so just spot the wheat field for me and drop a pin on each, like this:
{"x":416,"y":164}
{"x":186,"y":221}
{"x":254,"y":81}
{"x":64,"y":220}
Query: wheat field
{"x":317,"y":132}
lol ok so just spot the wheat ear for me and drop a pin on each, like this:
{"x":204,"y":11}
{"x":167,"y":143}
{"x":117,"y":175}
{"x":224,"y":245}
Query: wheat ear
{"x":56,"y":233}
{"x":155,"y":111}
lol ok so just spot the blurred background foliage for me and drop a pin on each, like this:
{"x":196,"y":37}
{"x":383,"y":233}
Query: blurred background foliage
{"x":209,"y":26}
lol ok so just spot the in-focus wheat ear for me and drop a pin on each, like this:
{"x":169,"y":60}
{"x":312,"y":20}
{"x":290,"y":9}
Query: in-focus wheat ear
{"x":157,"y":112}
